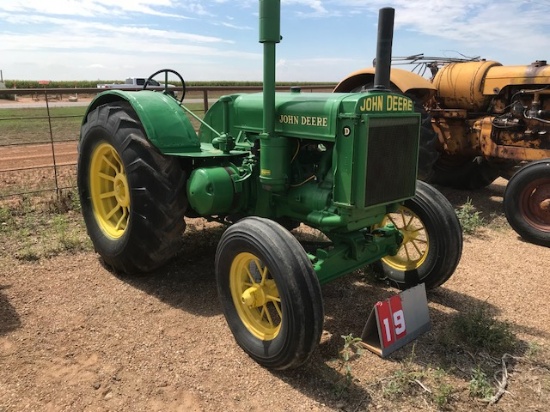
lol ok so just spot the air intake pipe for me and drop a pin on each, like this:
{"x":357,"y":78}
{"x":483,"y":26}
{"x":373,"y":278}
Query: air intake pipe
{"x":274,"y":150}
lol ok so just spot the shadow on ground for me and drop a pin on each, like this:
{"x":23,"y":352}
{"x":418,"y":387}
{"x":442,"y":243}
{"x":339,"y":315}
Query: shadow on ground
{"x":488,"y":201}
{"x":188,"y":283}
{"x":9,"y":319}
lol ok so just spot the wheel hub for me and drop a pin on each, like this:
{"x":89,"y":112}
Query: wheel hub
{"x":121,"y":190}
{"x":414,"y":248}
{"x":540,"y":204}
{"x":253,"y":297}
{"x":409,"y":234}
{"x":257,"y":295}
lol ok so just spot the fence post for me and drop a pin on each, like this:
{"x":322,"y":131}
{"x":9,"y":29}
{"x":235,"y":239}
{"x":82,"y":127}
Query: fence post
{"x":205,"y":100}
{"x":52,"y":144}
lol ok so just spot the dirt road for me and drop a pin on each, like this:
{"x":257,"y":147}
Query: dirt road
{"x":37,"y":155}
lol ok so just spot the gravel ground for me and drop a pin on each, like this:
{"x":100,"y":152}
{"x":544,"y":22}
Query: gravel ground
{"x":75,"y":337}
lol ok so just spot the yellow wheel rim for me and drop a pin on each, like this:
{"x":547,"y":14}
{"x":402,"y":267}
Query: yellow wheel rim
{"x":255,"y":296}
{"x":414,"y":249}
{"x":110,"y":192}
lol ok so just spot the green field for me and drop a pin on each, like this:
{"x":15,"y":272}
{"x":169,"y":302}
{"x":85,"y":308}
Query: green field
{"x":31,"y":125}
{"x":34,"y":84}
{"x":27,"y":126}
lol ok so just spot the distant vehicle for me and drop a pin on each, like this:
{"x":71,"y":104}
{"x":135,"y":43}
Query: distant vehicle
{"x":138,"y":83}
{"x":130,"y":83}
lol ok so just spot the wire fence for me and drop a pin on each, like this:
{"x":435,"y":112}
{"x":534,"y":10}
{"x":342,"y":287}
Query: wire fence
{"x":39,"y":131}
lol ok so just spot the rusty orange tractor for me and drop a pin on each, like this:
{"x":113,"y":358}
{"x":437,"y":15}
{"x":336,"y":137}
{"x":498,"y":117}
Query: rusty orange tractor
{"x":482,"y":120}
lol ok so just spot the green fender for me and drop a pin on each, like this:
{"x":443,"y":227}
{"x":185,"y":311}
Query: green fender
{"x":165,"y":123}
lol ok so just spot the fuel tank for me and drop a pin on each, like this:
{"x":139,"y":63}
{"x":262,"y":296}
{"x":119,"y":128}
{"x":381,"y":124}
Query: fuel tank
{"x":460,"y":85}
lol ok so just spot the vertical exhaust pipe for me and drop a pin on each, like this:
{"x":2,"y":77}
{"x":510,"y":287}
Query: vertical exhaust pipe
{"x":383,"y":49}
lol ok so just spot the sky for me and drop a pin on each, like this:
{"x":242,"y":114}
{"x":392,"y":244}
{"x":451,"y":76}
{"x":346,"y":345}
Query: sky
{"x":208,"y":40}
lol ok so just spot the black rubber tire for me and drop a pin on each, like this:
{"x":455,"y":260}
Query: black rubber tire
{"x":301,"y":302}
{"x":444,"y":240}
{"x":527,"y":202}
{"x":462,"y":172}
{"x":156,"y":190}
{"x":427,"y":149}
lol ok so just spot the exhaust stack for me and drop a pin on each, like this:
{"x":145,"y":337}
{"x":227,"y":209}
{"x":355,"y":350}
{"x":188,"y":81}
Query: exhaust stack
{"x":383,"y":49}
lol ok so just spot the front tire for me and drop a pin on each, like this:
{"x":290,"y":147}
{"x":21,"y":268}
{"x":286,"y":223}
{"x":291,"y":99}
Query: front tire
{"x":527,"y":202}
{"x":270,"y":295}
{"x":133,"y":197}
{"x":432,"y":244}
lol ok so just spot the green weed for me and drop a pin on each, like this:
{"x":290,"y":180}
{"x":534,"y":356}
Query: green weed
{"x":479,"y":385}
{"x":442,"y":395}
{"x":352,"y":349}
{"x":443,"y":391}
{"x":414,"y":380}
{"x":405,"y":380}
{"x":470,"y":219}
{"x":67,"y":240}
{"x":6,"y":219}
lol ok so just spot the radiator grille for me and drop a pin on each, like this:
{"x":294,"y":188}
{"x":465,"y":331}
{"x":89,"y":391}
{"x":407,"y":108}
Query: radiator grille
{"x":392,"y":156}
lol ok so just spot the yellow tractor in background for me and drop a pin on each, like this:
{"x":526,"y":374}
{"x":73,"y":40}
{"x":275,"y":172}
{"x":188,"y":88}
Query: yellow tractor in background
{"x":481,"y":120}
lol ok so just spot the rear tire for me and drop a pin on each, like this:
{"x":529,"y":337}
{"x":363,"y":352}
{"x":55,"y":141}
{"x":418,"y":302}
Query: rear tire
{"x":527,"y":202}
{"x":133,"y":197}
{"x":427,"y":149}
{"x":462,"y":172}
{"x":270,"y":294}
{"x":432,"y":244}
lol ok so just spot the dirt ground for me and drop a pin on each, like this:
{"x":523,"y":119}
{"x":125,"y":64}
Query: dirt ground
{"x":75,"y":337}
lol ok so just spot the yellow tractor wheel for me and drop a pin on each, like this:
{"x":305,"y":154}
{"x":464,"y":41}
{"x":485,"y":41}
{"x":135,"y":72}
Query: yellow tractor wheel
{"x":270,"y":294}
{"x":132,"y":197}
{"x":432,"y":241}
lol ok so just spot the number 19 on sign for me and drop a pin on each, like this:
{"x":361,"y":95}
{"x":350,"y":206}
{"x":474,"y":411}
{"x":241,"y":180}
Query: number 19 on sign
{"x":396,"y":321}
{"x":391,"y":319}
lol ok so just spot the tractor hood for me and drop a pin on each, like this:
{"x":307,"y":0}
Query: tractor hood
{"x":308,"y":115}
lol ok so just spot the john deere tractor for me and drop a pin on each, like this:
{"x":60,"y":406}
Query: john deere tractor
{"x":482,"y":120}
{"x":263,"y":163}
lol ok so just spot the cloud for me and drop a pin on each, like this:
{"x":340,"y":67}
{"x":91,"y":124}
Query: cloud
{"x":89,"y":28}
{"x":91,"y":8}
{"x":323,"y":38}
{"x":507,"y":25}
{"x":316,"y":6}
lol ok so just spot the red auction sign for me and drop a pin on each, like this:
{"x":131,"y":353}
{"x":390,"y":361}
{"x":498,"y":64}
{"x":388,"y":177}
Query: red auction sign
{"x":397,"y":321}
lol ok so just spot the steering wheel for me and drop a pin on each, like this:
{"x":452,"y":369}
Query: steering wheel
{"x":166,"y":89}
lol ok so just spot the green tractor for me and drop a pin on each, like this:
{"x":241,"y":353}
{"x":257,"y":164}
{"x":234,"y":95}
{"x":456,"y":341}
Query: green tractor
{"x":342,"y":163}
